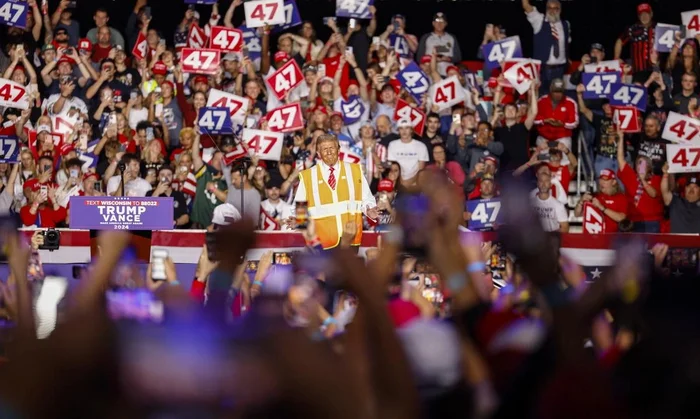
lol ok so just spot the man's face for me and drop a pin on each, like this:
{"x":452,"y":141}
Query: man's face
{"x":336,"y":123}
{"x":353,"y":90}
{"x":598,"y":54}
{"x":439,"y":25}
{"x":89,"y":184}
{"x":166,"y":175}
{"x":49,"y":55}
{"x":486,"y":188}
{"x":607,"y":185}
{"x":553,"y":11}
{"x":468,"y":121}
{"x":511,"y":112}
{"x":688,"y":82}
{"x":65,"y":69}
{"x":383,"y":125}
{"x":285,"y":45}
{"x":557,"y":96}
{"x":490,"y":167}
{"x":544,"y":183}
{"x":152,"y":37}
{"x":692,"y":193}
{"x":651,"y":127}
{"x":231,"y":66}
{"x":433,"y":124}
{"x":544,"y":173}
{"x":406,"y":133}
{"x":61,"y":36}
{"x":104,"y":36}
{"x":134,"y":167}
{"x":101,"y":19}
{"x":273,"y":193}
{"x":607,"y":110}
{"x":388,"y":95}
{"x":236,"y":179}
{"x":439,"y":154}
{"x":328,"y":150}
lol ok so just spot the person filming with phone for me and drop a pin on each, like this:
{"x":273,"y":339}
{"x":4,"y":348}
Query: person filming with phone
{"x":336,"y":193}
{"x":164,"y":189}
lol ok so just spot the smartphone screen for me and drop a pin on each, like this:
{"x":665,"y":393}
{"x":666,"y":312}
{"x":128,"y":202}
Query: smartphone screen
{"x":456,"y":118}
{"x":376,"y":40}
{"x":158,"y":265}
{"x":412,"y":210}
{"x":321,"y":70}
{"x":149,"y":134}
{"x":134,"y":304}
{"x":281,"y":258}
{"x":98,"y":186}
{"x":159,"y":110}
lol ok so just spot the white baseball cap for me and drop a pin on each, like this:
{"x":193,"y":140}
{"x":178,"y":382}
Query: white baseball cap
{"x":225,"y":214}
{"x":404,"y":123}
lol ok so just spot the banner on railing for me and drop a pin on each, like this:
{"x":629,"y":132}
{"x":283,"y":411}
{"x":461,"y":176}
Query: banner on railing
{"x":121,"y":213}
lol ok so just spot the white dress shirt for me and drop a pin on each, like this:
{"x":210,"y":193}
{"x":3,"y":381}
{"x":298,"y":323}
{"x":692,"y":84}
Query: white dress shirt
{"x":368,"y":200}
{"x":536,"y":19}
{"x":135,"y":187}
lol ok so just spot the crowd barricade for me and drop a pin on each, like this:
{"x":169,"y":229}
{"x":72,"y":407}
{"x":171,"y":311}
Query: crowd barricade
{"x":184,"y":246}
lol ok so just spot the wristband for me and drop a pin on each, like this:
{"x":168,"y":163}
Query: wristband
{"x":329,"y":321}
{"x":258,"y":283}
{"x":175,"y":282}
{"x":476,"y":267}
{"x":456,"y":282}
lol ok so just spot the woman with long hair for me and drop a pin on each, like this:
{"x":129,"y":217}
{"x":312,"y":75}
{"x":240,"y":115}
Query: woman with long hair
{"x":308,"y":32}
{"x":686,"y":63}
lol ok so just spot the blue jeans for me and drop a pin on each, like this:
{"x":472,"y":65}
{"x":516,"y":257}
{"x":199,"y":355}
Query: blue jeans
{"x":647,"y":227}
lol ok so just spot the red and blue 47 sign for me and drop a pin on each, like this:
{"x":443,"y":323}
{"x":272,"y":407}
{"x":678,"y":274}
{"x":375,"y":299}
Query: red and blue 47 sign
{"x":291,"y":17}
{"x":628,"y":95}
{"x":485,"y":213}
{"x":598,"y":85}
{"x":215,"y":121}
{"x":497,"y":52}
{"x":414,"y":80}
{"x":358,"y":9}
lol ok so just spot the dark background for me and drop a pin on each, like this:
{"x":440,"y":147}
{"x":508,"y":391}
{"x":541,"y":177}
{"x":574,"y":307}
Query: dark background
{"x":592,"y":20}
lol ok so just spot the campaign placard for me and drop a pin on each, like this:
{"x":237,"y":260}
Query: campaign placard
{"x":484,"y":213}
{"x":121,"y":213}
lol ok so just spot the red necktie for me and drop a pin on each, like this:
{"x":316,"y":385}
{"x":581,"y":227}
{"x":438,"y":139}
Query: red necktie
{"x":331,"y":178}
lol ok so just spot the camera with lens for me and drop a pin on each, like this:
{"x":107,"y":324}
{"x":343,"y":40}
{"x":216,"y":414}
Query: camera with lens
{"x":52,"y":239}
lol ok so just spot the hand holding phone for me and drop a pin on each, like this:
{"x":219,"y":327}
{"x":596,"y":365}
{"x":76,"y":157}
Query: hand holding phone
{"x":158,"y":265}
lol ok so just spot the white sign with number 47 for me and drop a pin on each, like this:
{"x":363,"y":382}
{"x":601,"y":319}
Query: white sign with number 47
{"x":681,"y":129}
{"x":266,"y":145}
{"x":264,"y":12}
{"x":683,"y":158}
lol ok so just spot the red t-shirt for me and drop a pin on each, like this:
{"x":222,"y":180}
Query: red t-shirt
{"x":562,"y":174}
{"x":617,"y":203}
{"x":99,"y":53}
{"x":332,"y":65}
{"x":129,"y":145}
{"x":647,"y":208}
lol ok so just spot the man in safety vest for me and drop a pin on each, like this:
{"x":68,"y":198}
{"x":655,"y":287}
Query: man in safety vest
{"x":336,"y":193}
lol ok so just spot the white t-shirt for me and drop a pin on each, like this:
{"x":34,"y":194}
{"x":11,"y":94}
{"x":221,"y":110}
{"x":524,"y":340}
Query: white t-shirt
{"x":283,"y":209}
{"x":550,"y":211}
{"x":136,"y":187}
{"x":136,"y":116}
{"x":408,"y":155}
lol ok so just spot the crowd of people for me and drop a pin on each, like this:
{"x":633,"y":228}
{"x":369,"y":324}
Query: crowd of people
{"x":144,"y":114}
{"x":433,"y":322}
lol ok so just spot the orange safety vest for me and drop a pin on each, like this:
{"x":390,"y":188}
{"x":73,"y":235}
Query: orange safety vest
{"x":332,"y":209}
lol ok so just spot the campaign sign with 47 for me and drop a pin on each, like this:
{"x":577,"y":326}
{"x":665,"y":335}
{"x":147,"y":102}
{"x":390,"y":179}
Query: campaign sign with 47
{"x":9,"y":149}
{"x":215,"y":121}
{"x":13,"y":13}
{"x":414,"y":80}
{"x":484,"y":213}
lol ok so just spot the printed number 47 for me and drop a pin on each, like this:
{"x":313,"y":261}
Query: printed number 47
{"x":11,"y":144}
{"x":259,"y":13}
{"x":7,"y":9}
{"x":502,"y":51}
{"x":354,"y":6}
{"x":195,"y":59}
{"x":254,"y":143}
{"x":207,"y":120}
{"x":481,"y":212}
{"x":415,"y":81}
{"x":681,"y":157}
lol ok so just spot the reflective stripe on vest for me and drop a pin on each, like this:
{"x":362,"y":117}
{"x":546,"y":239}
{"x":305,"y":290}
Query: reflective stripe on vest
{"x":331,"y":209}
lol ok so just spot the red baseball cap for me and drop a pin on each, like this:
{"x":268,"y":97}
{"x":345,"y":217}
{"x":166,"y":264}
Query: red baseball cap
{"x":402,"y":312}
{"x":159,"y":69}
{"x":353,"y":83}
{"x":281,"y":56}
{"x":320,"y":108}
{"x":84,"y":45}
{"x":201,"y":79}
{"x":338,"y":114}
{"x":385,"y":185}
{"x":426,"y":59}
{"x":91,"y":175}
{"x":452,"y":68}
{"x":607,"y":174}
{"x":172,"y":86}
{"x":66,"y":148}
{"x":65,"y":59}
{"x":32,"y":184}
{"x":643,"y":8}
